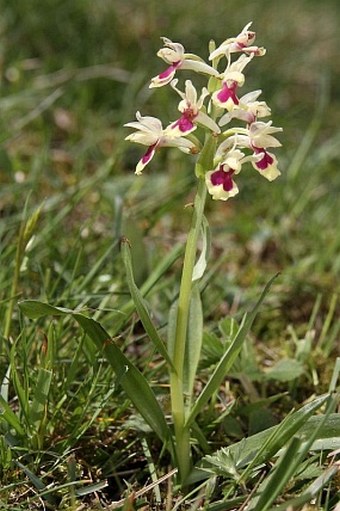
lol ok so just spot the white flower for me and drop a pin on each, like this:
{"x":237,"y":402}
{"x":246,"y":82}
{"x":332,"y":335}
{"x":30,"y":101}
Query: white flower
{"x":190,"y":107}
{"x":266,"y":165}
{"x":220,"y":184}
{"x":219,"y":181}
{"x":248,"y":109}
{"x":150,"y":132}
{"x":232,"y":78}
{"x":241,"y":43}
{"x":174,"y":54}
{"x":260,"y":134}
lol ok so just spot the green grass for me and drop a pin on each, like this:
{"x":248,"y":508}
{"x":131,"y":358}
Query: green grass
{"x":71,"y":74}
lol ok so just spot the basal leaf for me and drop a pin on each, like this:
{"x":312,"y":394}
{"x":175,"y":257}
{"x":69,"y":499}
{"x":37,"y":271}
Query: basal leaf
{"x":140,"y":304}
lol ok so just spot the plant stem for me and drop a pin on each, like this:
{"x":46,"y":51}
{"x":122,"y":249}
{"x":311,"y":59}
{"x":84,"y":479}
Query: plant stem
{"x":182,"y":435}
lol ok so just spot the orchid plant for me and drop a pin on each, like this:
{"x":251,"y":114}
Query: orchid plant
{"x":225,"y":131}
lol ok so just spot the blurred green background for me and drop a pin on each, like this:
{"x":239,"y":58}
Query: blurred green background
{"x":72,"y":72}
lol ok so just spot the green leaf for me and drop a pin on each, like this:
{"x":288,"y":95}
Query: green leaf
{"x":129,"y":307}
{"x":228,"y":358}
{"x":22,"y":391}
{"x":91,"y":488}
{"x":34,"y":309}
{"x":140,"y":303}
{"x":5,"y":384}
{"x":133,"y":382}
{"x":285,"y":468}
{"x":287,"y":369}
{"x":37,"y":482}
{"x":258,"y":448}
{"x":194,"y":340}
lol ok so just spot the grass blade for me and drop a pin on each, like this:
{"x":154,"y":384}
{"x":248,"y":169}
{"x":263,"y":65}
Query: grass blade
{"x":285,"y":468}
{"x":311,"y":492}
{"x":37,"y":482}
{"x":277,"y":479}
{"x":133,"y":382}
{"x":40,"y":397}
{"x":10,"y":417}
{"x":228,"y":358}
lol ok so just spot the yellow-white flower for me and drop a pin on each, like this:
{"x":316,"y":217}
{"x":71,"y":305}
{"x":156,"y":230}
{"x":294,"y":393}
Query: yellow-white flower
{"x":220,"y":181}
{"x":232,"y":78}
{"x":248,"y":109}
{"x":191,"y":109}
{"x":150,"y":132}
{"x":258,"y":137}
{"x":241,"y":43}
{"x":174,"y":54}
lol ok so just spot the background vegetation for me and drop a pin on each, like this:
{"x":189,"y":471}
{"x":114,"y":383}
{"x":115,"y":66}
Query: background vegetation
{"x":72,"y":73}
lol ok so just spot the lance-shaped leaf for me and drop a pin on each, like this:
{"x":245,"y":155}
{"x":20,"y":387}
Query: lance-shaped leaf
{"x":194,"y":341}
{"x":140,"y":303}
{"x":284,"y":469}
{"x":133,"y":382}
{"x":311,"y":491}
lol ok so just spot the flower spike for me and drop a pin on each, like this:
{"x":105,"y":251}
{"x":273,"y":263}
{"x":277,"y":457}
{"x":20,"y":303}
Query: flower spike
{"x":222,"y":154}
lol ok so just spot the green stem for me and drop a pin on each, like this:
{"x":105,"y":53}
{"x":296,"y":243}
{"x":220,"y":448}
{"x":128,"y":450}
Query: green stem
{"x":182,"y":435}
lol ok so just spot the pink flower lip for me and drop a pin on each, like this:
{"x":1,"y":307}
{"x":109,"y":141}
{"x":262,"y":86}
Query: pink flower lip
{"x":170,"y":70}
{"x":149,"y":153}
{"x":220,"y":177}
{"x":228,"y":93}
{"x":185,"y":122}
{"x":266,"y":161}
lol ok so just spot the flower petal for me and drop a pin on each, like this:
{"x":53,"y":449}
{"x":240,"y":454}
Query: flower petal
{"x":208,"y":122}
{"x":220,"y":184}
{"x":199,"y":67}
{"x":146,"y":158}
{"x":165,"y":77}
{"x":267,"y":165}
